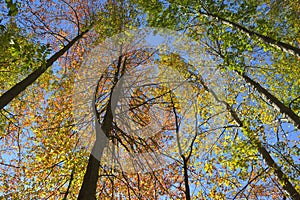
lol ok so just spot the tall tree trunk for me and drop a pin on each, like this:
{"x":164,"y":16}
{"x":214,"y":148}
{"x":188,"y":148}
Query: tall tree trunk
{"x":286,"y":184}
{"x":184,"y":159}
{"x":286,"y":111}
{"x":276,"y":103}
{"x":13,"y":92}
{"x":89,"y":185}
{"x":276,"y":43}
{"x":283,"y":179}
{"x":186,"y":178}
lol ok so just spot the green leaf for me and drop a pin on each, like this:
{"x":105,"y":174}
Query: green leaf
{"x":13,"y":8}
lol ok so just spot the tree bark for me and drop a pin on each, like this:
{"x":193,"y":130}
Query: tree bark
{"x":13,"y":92}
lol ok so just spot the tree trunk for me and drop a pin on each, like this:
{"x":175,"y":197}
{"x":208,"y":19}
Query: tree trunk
{"x":186,"y":178}
{"x":278,"y":44}
{"x":286,"y":111}
{"x":13,"y":92}
{"x":286,"y":184}
{"x":276,"y":103}
{"x":89,"y":185}
{"x":283,"y":178}
{"x":88,"y":188}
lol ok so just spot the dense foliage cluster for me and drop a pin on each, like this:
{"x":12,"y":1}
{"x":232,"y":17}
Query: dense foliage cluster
{"x":226,"y":115}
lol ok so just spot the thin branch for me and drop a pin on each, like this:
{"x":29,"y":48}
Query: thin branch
{"x":249,"y":182}
{"x":70,"y":182}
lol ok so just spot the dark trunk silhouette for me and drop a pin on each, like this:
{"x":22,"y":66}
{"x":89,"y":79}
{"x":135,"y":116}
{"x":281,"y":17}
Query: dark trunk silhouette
{"x":89,"y":185}
{"x":186,"y":178}
{"x":13,"y":92}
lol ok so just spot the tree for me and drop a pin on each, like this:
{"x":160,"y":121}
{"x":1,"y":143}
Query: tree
{"x":25,"y":122}
{"x":230,"y":137}
{"x":233,"y":39}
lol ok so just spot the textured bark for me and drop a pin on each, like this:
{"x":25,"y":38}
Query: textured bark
{"x":12,"y":93}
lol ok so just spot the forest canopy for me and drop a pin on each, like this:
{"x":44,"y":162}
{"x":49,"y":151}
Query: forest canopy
{"x":133,"y":99}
